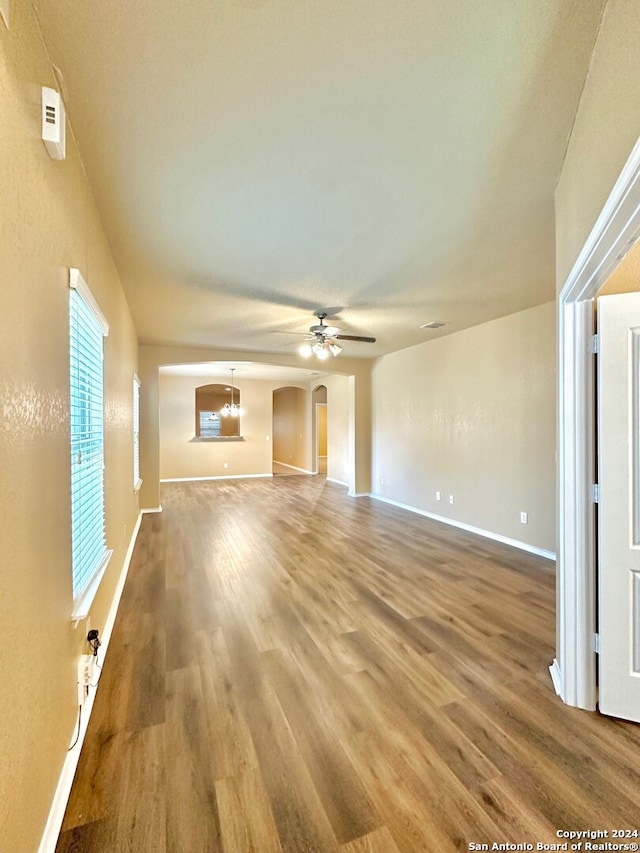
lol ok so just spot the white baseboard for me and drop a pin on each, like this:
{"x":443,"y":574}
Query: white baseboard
{"x":63,"y":789}
{"x":556,"y":677}
{"x":339,"y":482}
{"x":151,"y":509}
{"x":293,"y":467}
{"x":487,"y":534}
{"x":221,"y":477}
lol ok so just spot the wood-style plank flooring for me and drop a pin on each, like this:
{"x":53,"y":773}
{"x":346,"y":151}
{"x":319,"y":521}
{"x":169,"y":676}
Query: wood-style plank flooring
{"x":295,"y":670}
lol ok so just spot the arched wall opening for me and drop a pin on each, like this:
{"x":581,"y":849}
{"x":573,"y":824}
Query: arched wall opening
{"x":291,"y":428}
{"x":210,"y":402}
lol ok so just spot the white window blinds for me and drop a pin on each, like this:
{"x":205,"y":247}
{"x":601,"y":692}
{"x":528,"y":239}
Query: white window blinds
{"x":89,"y":550}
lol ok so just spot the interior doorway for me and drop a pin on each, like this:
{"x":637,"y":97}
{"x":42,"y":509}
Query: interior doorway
{"x":290,"y":444}
{"x":321,"y":438}
{"x":574,"y":670}
{"x":320,"y":429}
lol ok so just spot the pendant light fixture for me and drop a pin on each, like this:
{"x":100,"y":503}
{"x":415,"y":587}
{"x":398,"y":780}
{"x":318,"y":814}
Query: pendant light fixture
{"x":231,"y":409}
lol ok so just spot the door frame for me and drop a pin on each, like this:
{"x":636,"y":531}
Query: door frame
{"x":616,"y":230}
{"x":317,"y":405}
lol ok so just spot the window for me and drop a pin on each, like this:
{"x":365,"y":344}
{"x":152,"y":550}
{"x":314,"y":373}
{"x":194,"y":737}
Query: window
{"x":87,"y":328}
{"x":209,"y":425}
{"x":137,"y":482}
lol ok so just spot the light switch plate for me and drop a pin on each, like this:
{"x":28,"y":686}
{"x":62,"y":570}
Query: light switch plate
{"x":4,"y":11}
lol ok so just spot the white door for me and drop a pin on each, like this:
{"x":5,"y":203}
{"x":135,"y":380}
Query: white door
{"x":619,"y":505}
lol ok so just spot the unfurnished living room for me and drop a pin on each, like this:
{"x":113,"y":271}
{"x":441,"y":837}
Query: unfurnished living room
{"x":319,"y":450}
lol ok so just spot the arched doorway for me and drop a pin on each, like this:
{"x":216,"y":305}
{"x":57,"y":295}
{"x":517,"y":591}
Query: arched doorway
{"x":290,"y":430}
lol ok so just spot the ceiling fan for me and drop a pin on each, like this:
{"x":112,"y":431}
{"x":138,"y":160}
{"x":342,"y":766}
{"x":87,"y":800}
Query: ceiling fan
{"x":322,"y":340}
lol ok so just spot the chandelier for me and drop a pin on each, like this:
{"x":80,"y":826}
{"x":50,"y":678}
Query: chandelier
{"x":322,"y":347}
{"x":231,"y":409}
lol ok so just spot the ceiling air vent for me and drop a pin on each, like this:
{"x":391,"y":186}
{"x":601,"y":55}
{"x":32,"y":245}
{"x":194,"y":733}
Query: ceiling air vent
{"x":53,"y":123}
{"x":435,"y":324}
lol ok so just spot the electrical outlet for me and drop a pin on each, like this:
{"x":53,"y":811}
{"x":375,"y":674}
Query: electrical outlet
{"x":450,"y":499}
{"x":85,"y":676}
{"x":382,"y":481}
{"x":524,"y":518}
{"x":226,"y":465}
{"x":438,"y":496}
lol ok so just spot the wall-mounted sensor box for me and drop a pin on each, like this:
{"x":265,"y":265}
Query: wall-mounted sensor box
{"x":53,"y":123}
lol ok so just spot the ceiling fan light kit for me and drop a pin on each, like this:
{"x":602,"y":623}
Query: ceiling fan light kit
{"x":323,"y":340}
{"x":321,"y":349}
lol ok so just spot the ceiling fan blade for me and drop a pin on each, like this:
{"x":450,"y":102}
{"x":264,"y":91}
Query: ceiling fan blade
{"x":355,"y":338}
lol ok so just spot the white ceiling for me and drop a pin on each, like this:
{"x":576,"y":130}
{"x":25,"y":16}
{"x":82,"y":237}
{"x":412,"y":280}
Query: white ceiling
{"x":393,"y":161}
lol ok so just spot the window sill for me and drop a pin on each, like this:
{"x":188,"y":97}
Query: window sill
{"x":224,"y":438}
{"x":82,"y":604}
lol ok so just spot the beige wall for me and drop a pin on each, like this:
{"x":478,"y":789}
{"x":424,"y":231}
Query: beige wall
{"x":606,"y":128}
{"x":291,"y":433}
{"x":338,"y":459}
{"x":626,"y":277}
{"x":47,"y":224}
{"x":182,"y":457}
{"x":473,"y":415}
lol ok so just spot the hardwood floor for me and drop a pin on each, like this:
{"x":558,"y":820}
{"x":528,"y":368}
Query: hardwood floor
{"x":281,"y":470}
{"x":295,"y":670}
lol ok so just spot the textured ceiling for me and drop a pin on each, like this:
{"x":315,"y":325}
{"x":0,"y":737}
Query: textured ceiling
{"x":393,"y":161}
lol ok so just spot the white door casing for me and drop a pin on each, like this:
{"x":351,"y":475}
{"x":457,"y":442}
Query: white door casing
{"x":619,"y":505}
{"x":617,"y":228}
